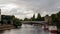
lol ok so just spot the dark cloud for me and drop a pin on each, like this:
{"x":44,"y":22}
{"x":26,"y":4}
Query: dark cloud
{"x":29,"y":7}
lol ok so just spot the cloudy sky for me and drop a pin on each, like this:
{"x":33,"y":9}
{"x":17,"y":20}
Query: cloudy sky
{"x":26,"y":8}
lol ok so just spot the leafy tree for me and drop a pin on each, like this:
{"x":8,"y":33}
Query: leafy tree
{"x":17,"y":22}
{"x":33,"y":18}
{"x":26,"y":19}
{"x":47,"y":15}
{"x":58,"y":16}
{"x":42,"y":18}
{"x":38,"y":17}
{"x":54,"y":17}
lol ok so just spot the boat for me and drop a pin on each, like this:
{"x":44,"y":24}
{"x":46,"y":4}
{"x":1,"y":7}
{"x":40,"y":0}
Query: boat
{"x":45,"y":27}
{"x":53,"y":29}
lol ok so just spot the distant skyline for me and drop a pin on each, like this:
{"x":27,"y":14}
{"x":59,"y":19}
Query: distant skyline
{"x":26,"y":8}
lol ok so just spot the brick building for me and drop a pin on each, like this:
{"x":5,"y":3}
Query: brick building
{"x":48,"y":19}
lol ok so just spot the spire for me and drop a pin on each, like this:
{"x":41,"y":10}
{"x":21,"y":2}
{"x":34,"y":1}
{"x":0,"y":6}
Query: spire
{"x":0,"y":14}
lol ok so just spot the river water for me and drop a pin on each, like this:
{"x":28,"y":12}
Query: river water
{"x":27,"y":29}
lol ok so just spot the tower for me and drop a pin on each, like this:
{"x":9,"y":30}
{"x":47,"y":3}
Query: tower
{"x":0,"y":14}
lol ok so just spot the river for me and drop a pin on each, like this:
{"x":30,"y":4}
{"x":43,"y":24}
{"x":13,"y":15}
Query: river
{"x":27,"y":29}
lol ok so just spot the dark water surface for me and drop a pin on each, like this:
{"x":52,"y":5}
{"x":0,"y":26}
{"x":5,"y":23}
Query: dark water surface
{"x":27,"y":29}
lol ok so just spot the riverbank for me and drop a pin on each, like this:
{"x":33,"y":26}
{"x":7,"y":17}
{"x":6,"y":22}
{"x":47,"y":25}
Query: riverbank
{"x":59,"y":31}
{"x":6,"y":27}
{"x":27,"y":29}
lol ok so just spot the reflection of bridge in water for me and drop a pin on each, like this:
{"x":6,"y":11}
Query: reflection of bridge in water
{"x":34,"y":22}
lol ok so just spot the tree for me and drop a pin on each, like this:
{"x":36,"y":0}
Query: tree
{"x":58,"y":16}
{"x":47,"y":15}
{"x":33,"y":18}
{"x":38,"y":17}
{"x":26,"y":19}
{"x":17,"y":22}
{"x":54,"y":17}
{"x":42,"y":18}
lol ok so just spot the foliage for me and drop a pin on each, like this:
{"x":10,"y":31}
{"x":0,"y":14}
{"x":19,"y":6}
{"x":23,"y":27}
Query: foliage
{"x":56,"y":17}
{"x":17,"y":22}
{"x":38,"y":17}
{"x":26,"y":19}
{"x":33,"y":18}
{"x":42,"y":18}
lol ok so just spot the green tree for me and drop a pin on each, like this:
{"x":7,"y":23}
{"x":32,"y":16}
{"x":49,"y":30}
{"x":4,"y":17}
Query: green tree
{"x":33,"y":18}
{"x":38,"y":17}
{"x":42,"y":18}
{"x":26,"y":19}
{"x":58,"y":16}
{"x":17,"y":22}
{"x":54,"y":17}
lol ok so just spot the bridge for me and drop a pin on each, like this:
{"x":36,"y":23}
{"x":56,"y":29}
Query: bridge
{"x":34,"y":22}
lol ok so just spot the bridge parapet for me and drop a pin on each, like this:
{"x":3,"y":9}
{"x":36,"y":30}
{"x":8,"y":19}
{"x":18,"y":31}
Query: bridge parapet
{"x":34,"y":22}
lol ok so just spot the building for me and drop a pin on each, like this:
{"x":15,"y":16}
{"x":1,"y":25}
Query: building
{"x":7,"y":19}
{"x":48,"y":19}
{"x":0,"y":14}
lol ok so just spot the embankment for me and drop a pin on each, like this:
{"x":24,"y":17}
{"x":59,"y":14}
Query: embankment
{"x":6,"y":27}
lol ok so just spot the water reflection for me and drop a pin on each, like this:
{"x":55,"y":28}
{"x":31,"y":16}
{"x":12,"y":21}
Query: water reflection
{"x":26,"y":29}
{"x":1,"y":31}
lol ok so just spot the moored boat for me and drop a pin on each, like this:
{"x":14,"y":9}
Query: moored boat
{"x":53,"y":29}
{"x":45,"y":27}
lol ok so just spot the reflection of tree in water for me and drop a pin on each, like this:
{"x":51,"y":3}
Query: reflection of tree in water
{"x":1,"y":31}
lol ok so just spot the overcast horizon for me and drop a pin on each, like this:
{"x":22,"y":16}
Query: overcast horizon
{"x":26,"y":8}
